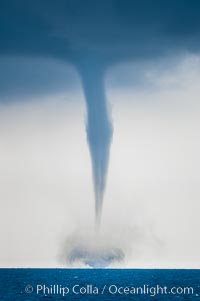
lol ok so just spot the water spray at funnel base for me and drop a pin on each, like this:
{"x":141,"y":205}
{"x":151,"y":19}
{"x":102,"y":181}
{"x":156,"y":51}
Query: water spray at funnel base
{"x":99,"y":131}
{"x":88,"y":248}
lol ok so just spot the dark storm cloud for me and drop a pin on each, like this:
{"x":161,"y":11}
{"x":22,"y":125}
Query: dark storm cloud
{"x":108,"y":29}
{"x":90,"y":32}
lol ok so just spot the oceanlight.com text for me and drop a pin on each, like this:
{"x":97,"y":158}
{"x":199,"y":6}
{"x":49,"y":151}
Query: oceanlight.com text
{"x":107,"y":289}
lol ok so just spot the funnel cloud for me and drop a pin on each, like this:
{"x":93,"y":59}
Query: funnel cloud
{"x":99,"y":130}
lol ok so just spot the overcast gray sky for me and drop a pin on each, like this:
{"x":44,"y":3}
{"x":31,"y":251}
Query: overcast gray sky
{"x":152,"y":195}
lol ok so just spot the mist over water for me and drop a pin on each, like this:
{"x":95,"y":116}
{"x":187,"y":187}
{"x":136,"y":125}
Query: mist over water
{"x":89,"y":248}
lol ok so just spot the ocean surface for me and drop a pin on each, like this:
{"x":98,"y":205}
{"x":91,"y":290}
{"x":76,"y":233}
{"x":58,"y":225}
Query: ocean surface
{"x":99,"y":284}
